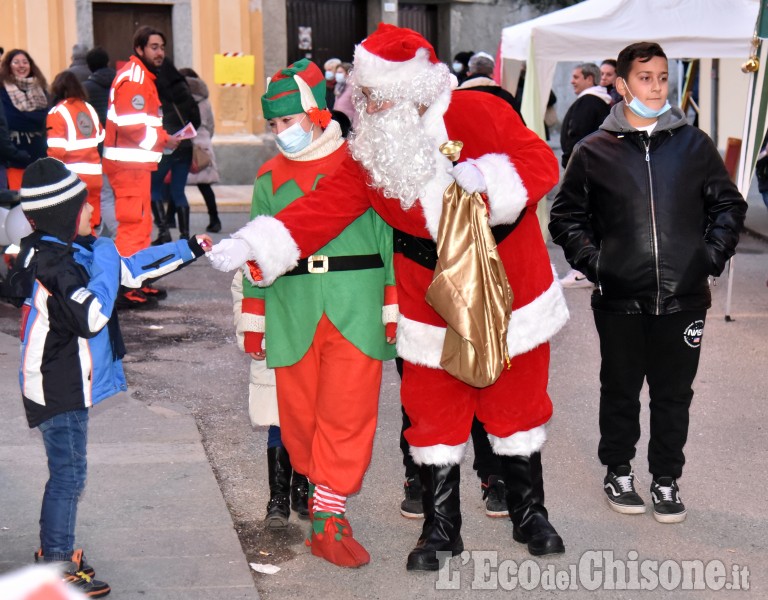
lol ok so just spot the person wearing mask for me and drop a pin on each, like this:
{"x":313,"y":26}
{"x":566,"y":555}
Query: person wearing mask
{"x":648,"y":211}
{"x":179,"y":108}
{"x":74,"y":134}
{"x":25,"y":101}
{"x":460,"y":65}
{"x":343,"y":93}
{"x":133,"y":146}
{"x":330,"y":67}
{"x":327,"y":325}
{"x":204,"y":178}
{"x":97,"y":87}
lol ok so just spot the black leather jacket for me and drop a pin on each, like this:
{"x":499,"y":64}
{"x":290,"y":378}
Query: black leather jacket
{"x":647,"y":219}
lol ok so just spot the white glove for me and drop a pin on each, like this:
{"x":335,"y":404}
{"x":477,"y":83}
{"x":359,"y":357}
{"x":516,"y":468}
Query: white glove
{"x":469,"y":177}
{"x":229,"y":254}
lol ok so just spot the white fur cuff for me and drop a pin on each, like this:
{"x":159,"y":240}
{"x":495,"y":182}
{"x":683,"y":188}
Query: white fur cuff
{"x":419,"y":343}
{"x":538,"y":321}
{"x":389,"y":313}
{"x":522,"y":443}
{"x":506,"y":192}
{"x":439,"y":455}
{"x":272,"y":247}
{"x":251,"y":322}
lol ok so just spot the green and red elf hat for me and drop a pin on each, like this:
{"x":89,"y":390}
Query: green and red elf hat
{"x":300,"y":87}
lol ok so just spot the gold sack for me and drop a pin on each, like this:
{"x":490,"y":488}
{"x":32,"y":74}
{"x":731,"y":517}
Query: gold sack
{"x":470,"y":291}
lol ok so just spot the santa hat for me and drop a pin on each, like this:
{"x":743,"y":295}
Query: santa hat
{"x":52,"y":197}
{"x":298,"y":88}
{"x":392,"y":59}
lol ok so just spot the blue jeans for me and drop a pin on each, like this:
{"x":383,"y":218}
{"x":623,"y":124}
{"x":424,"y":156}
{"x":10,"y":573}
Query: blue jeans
{"x":179,"y":168}
{"x":65,"y":437}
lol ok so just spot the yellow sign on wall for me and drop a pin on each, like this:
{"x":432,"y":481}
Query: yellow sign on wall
{"x":233,"y":68}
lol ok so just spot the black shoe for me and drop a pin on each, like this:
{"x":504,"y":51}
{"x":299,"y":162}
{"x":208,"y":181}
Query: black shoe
{"x":441,"y":534}
{"x":77,"y":557}
{"x":300,"y":495}
{"x":524,"y":482}
{"x":151,"y":291}
{"x":279,"y":506}
{"x":619,"y":486}
{"x":278,"y":512}
{"x":411,"y":507}
{"x":163,"y":237}
{"x":214,"y":226}
{"x":134,"y":299}
{"x":668,"y":507}
{"x":75,"y":577}
{"x":495,"y":496}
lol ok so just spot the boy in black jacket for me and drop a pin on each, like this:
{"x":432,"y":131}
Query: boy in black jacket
{"x":71,"y":347}
{"x":648,"y":212}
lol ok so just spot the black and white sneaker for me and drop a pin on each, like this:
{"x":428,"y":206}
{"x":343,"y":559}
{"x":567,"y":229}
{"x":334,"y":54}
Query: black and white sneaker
{"x":495,"y":496}
{"x":619,"y":486}
{"x":668,"y":507}
{"x":411,"y":507}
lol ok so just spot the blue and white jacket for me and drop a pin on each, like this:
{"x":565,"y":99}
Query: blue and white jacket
{"x":71,"y":347}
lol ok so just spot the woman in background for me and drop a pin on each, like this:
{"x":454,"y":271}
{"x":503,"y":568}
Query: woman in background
{"x":25,"y":103}
{"x":204,"y":140}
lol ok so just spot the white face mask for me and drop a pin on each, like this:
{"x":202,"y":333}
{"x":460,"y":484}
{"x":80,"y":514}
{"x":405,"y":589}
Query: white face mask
{"x":457,"y":67}
{"x":294,"y":138}
{"x":340,"y":78}
{"x":329,"y":75}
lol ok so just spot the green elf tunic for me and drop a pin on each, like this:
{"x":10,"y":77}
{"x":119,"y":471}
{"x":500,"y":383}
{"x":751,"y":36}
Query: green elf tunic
{"x":352,"y":300}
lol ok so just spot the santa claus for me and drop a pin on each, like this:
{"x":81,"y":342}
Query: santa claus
{"x":407,"y":110}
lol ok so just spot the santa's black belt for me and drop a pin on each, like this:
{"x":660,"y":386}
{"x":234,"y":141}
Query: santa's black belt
{"x":423,"y":251}
{"x":318,"y":263}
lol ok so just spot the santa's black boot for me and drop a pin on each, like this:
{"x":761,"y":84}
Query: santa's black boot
{"x":525,"y":500}
{"x":279,"y":506}
{"x":442,"y":518}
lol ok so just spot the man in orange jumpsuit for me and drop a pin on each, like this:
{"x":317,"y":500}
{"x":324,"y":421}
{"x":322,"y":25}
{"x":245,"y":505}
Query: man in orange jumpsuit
{"x":133,"y":146}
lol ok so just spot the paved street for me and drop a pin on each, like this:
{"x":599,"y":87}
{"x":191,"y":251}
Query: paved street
{"x":155,"y":522}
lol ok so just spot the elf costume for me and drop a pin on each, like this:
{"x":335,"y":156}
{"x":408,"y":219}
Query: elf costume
{"x":325,"y":320}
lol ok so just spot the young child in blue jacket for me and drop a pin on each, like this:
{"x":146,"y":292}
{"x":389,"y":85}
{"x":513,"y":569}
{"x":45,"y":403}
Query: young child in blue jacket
{"x":71,"y":347}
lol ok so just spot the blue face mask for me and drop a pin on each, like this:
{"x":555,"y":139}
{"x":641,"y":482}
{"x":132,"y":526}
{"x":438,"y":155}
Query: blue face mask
{"x":294,"y":139}
{"x":643,"y":111}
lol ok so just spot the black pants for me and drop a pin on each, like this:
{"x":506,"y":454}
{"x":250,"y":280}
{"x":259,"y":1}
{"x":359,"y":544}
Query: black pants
{"x":486,"y":462}
{"x":664,"y":350}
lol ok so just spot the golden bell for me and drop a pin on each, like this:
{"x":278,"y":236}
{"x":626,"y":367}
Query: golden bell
{"x":452,"y":149}
{"x":751,"y":66}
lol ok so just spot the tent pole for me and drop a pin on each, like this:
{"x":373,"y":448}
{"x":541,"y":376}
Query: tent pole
{"x":715,"y":98}
{"x":729,"y":291}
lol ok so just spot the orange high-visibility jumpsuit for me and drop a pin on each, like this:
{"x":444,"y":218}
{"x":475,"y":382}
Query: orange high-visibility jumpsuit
{"x":74,"y":134}
{"x":132,"y":148}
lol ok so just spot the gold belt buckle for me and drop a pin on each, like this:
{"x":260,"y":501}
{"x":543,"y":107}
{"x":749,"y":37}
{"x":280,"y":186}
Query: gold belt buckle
{"x":311,"y":268}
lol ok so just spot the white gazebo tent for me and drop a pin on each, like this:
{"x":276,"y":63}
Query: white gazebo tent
{"x":601,"y":28}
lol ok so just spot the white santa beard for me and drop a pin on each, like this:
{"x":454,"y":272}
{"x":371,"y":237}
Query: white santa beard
{"x":394,"y":148}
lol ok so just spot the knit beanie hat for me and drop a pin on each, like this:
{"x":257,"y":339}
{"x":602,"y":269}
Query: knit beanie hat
{"x":398,"y":63}
{"x":298,"y":88}
{"x":52,"y":197}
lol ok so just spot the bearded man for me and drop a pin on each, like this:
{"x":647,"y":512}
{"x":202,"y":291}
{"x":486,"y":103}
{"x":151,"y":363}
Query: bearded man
{"x":406,"y":112}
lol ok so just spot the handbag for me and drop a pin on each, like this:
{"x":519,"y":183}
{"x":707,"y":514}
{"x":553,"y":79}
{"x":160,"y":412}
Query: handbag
{"x":470,"y":291}
{"x":200,"y":159}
